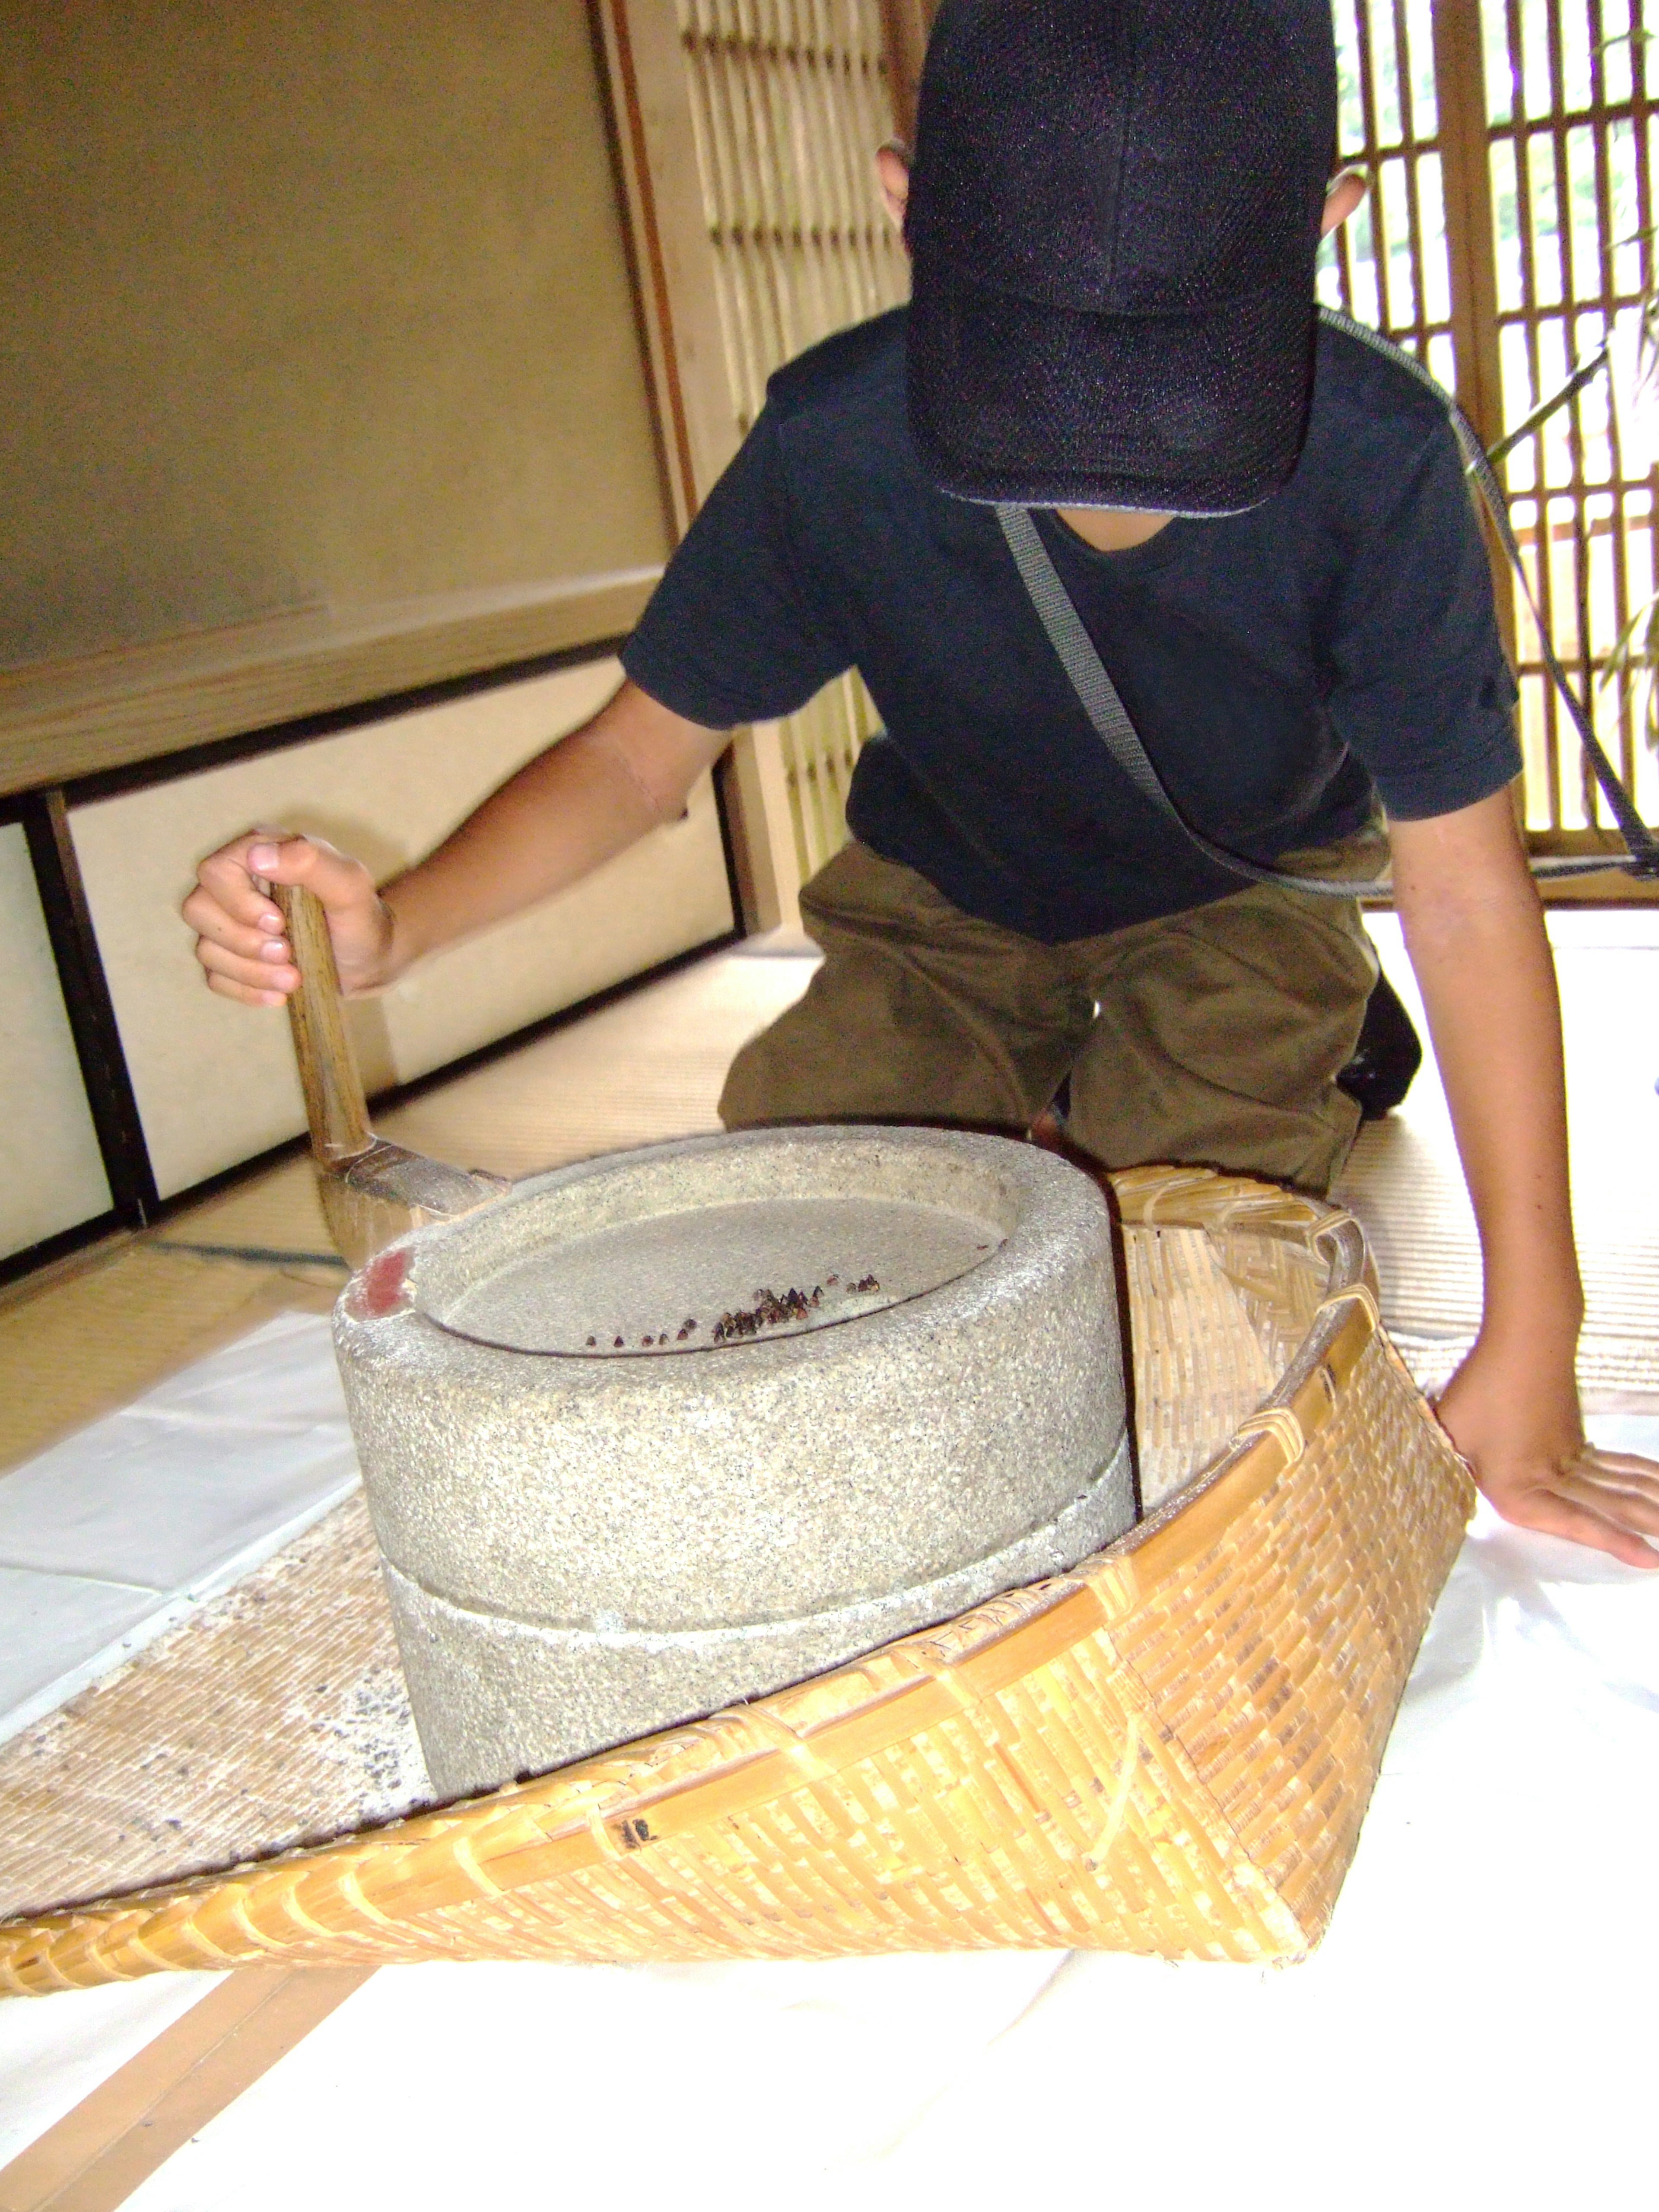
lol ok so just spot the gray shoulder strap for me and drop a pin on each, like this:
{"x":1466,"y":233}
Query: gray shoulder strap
{"x":1098,"y":697}
{"x":1097,"y":694}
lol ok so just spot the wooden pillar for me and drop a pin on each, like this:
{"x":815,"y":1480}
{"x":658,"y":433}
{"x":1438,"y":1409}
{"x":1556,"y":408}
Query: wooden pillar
{"x":1466,"y":170}
{"x":1471,"y":245}
{"x":905,"y":24}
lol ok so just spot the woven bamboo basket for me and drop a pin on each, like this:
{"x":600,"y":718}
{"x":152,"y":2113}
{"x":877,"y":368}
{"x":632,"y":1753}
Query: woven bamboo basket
{"x":1168,"y":1750}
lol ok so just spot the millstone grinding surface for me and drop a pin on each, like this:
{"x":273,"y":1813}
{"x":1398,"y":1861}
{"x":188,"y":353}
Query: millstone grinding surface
{"x":685,"y":1282}
{"x":677,"y":1427}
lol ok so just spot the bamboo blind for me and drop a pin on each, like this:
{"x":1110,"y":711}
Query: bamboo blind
{"x":790,"y":100}
{"x":821,"y":745}
{"x":1508,"y":144}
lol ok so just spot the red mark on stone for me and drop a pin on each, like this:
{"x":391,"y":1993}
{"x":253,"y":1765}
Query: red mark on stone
{"x":380,"y":1286}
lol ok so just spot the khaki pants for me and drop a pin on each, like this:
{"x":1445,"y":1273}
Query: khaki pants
{"x":1211,"y":1037}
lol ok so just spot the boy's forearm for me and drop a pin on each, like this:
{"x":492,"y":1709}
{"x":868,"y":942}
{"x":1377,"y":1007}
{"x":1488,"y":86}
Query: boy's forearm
{"x":1475,"y":932}
{"x":563,"y":814}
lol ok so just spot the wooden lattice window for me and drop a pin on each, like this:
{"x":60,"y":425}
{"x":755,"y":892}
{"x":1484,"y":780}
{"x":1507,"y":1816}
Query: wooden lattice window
{"x":1509,"y":148}
{"x":1570,"y":138}
{"x":1389,"y":264}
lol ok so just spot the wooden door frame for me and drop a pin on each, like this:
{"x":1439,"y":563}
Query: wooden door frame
{"x":654,"y":133}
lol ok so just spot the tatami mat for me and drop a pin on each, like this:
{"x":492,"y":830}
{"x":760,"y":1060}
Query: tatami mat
{"x":94,"y":1338}
{"x":275,"y":1209}
{"x":1405,"y":1182}
{"x":647,"y":1067}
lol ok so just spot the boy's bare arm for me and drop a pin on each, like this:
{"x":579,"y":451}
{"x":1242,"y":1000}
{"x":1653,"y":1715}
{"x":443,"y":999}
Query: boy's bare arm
{"x":1475,"y":932}
{"x":579,"y":804}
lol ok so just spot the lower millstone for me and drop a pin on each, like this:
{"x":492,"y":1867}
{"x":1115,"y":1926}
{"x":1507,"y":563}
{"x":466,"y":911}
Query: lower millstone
{"x":519,"y":1696}
{"x":582,"y":1547}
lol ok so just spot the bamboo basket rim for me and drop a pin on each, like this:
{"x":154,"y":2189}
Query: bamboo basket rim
{"x":614,"y":1802}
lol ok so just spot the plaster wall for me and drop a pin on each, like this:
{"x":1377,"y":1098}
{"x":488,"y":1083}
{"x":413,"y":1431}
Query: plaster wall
{"x":307,"y":306}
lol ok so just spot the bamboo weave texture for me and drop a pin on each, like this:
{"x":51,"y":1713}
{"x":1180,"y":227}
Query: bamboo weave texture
{"x":1168,"y":1751}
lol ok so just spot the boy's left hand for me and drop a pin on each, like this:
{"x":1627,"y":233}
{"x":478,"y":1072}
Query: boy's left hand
{"x":1522,"y":1433}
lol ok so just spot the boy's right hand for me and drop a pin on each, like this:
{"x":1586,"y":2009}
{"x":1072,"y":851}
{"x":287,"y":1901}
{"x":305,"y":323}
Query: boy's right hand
{"x":240,"y":939}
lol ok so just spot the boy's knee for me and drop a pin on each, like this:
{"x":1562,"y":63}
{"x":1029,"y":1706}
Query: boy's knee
{"x":752,"y":1095}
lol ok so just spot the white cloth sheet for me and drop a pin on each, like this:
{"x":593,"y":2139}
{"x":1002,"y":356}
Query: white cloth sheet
{"x":1478,"y":2029}
{"x":114,"y":1534}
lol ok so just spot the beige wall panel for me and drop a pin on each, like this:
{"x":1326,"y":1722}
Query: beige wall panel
{"x":304,"y":304}
{"x":51,"y":1175}
{"x":215,"y":1081}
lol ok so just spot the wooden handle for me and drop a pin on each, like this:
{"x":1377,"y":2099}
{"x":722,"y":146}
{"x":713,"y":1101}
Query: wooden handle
{"x":334,"y":1106}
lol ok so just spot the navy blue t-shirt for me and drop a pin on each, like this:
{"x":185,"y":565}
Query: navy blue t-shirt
{"x":1285,"y":668}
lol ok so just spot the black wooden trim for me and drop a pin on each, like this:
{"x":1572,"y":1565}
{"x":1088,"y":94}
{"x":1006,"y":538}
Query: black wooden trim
{"x":63,"y":1246}
{"x":43,"y":813}
{"x":110,"y":1097}
{"x":276,"y":737}
{"x":722,"y":772}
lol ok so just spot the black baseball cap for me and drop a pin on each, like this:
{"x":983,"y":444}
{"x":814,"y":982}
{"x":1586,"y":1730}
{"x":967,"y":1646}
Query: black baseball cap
{"x":1114,"y":208}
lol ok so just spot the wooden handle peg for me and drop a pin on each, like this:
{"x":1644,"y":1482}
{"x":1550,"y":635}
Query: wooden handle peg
{"x":334,"y":1106}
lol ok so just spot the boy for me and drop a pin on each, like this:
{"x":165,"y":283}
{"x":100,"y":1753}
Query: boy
{"x":1263,"y":527}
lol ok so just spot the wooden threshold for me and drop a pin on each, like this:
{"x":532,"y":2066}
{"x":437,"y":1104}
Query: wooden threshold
{"x":1612,"y":888}
{"x":97,"y":2155}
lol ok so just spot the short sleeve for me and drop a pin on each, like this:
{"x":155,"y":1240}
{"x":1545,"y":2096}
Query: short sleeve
{"x":1423,"y":694}
{"x":731,"y":635}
